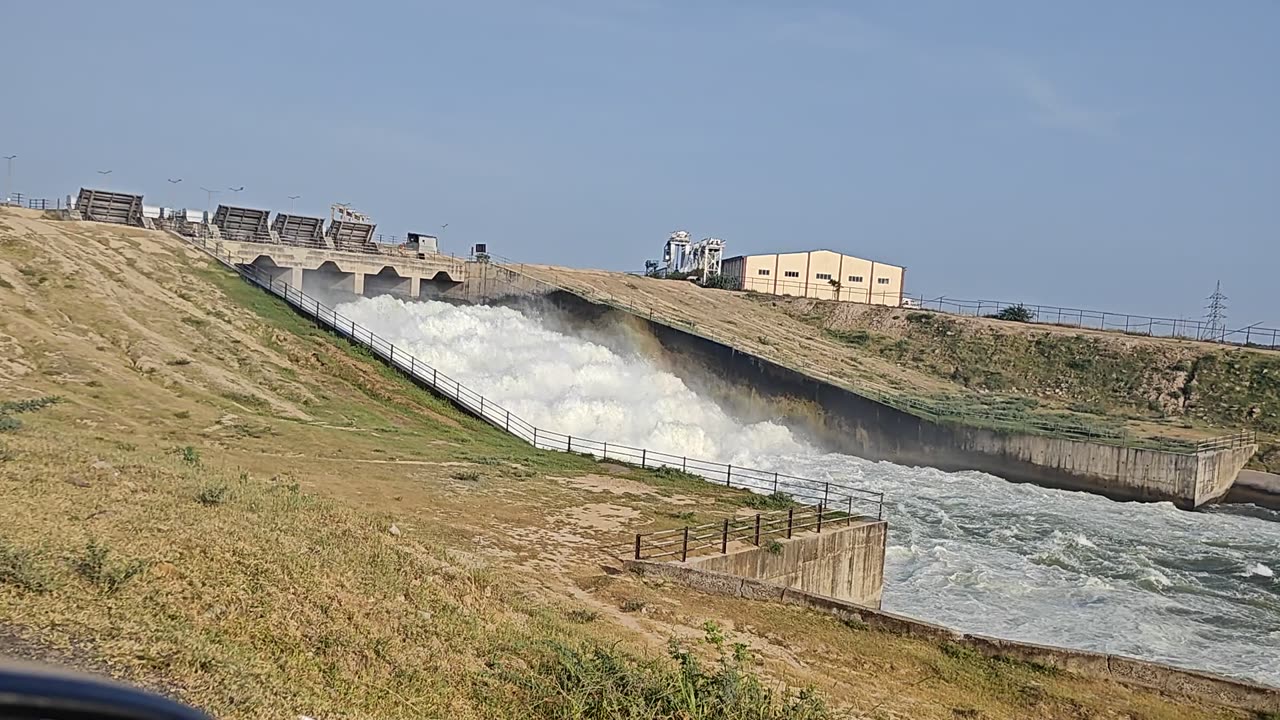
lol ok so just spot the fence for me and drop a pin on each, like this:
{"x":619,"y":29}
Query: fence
{"x":816,"y":491}
{"x":1251,"y":336}
{"x":762,"y":527}
{"x":942,"y":410}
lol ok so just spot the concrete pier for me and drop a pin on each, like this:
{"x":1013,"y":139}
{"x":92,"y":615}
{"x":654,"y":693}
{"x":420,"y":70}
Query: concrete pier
{"x":845,"y":563}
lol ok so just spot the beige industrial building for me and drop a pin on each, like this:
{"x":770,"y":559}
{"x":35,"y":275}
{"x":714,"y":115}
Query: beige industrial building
{"x":823,"y":274}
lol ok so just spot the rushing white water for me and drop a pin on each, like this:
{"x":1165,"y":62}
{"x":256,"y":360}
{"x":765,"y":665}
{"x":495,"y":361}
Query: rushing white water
{"x":968,"y":550}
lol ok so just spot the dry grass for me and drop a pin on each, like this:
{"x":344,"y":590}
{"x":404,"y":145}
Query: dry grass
{"x":220,"y":528}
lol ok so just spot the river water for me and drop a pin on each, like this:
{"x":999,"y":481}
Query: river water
{"x":966,"y":549}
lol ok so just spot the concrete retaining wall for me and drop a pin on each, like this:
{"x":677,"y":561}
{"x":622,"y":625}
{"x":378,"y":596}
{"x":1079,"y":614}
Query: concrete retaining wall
{"x":850,"y":423}
{"x":842,"y":562}
{"x":1130,"y":671}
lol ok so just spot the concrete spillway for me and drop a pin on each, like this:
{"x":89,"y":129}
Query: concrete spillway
{"x":966,"y":549}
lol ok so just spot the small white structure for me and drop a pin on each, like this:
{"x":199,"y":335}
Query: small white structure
{"x":682,"y":255}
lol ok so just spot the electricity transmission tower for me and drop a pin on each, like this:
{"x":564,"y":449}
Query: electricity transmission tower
{"x":1215,"y":316}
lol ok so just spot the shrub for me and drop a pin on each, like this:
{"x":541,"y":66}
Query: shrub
{"x":21,"y":568}
{"x":773,"y":547}
{"x":95,"y":566}
{"x":1016,"y":313}
{"x":776,"y":501}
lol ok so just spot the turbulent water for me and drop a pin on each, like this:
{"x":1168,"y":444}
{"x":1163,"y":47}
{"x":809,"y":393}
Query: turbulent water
{"x":968,"y":550}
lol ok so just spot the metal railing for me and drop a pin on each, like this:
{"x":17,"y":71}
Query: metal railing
{"x":957,"y":411}
{"x":814,"y":491}
{"x":754,"y":529}
{"x":1179,"y":328}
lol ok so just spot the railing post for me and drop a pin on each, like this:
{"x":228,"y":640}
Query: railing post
{"x":569,"y":447}
{"x":481,"y":406}
{"x":790,"y":516}
{"x":775,"y":483}
{"x":724,"y":537}
{"x":757,"y":530}
{"x":643,"y":456}
{"x":507,"y":425}
{"x":849,"y":517}
{"x":684,"y":464}
{"x":826,"y":492}
{"x":684,"y":548}
{"x":637,"y":546}
{"x":535,"y":438}
{"x":605,"y":451}
{"x":728,"y":474}
{"x":433,"y":378}
{"x":819,"y":518}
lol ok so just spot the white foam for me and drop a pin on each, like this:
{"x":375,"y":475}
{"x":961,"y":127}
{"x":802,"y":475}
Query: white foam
{"x":1258,"y":569}
{"x":963,"y":546}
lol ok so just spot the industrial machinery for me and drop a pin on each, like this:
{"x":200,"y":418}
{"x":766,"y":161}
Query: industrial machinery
{"x":701,"y":259}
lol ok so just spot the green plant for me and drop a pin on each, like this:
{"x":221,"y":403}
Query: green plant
{"x":21,"y":567}
{"x":94,"y":565}
{"x":1016,"y":313}
{"x":466,"y":475}
{"x":631,"y":605}
{"x":773,"y":547}
{"x":188,"y":454}
{"x":774,"y":501}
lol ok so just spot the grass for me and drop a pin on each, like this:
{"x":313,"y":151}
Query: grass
{"x":774,"y":501}
{"x":256,"y":575}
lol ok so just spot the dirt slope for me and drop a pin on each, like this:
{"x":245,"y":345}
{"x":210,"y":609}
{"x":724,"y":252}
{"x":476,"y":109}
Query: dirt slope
{"x":234,"y":507}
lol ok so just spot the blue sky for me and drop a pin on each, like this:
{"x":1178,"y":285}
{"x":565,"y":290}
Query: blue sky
{"x":1108,"y":155}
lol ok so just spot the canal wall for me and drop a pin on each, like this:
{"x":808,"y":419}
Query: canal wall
{"x":850,"y":423}
{"x":845,"y":563}
{"x":1119,"y":668}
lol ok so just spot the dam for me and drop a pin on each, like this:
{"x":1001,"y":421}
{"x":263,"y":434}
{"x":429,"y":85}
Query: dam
{"x":966,"y":548}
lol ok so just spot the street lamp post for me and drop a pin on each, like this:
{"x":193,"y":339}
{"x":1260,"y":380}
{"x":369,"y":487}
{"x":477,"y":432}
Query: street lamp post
{"x":208,"y":198}
{"x":293,"y":202}
{"x":173,"y":181}
{"x":8,"y":183}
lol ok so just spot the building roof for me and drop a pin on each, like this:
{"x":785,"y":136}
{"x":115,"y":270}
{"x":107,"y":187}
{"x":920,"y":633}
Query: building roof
{"x":800,"y":252}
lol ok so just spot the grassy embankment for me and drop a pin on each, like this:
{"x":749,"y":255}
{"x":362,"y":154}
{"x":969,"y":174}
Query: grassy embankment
{"x":233,"y":507}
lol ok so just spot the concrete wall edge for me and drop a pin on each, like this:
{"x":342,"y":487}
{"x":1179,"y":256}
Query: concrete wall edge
{"x":1192,"y":684}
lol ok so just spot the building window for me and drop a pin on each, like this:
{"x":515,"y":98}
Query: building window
{"x":823,"y":276}
{"x":762,"y":271}
{"x":855,"y":278}
{"x":791,"y":273}
{"x":882,"y":281}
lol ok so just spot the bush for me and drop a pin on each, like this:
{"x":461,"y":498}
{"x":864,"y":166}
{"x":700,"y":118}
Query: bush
{"x":776,"y":501}
{"x":20,"y":568}
{"x":1016,"y":313}
{"x":94,"y":565}
{"x":589,"y":681}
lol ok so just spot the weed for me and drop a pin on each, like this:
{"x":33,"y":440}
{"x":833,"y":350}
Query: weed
{"x":666,"y":472}
{"x":683,"y":515}
{"x":631,"y":605}
{"x":179,"y":361}
{"x":6,"y":284}
{"x":182,"y":414}
{"x":188,"y":454}
{"x":582,"y":616}
{"x":775,"y":501}
{"x":26,"y":406}
{"x":773,"y":547}
{"x":194,"y":321}
{"x":10,"y":424}
{"x":857,"y":338}
{"x":95,"y":566}
{"x":213,"y":494}
{"x":21,"y":568}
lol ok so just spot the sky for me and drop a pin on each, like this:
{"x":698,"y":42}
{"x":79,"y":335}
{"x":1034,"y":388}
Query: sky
{"x":1118,"y":156}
